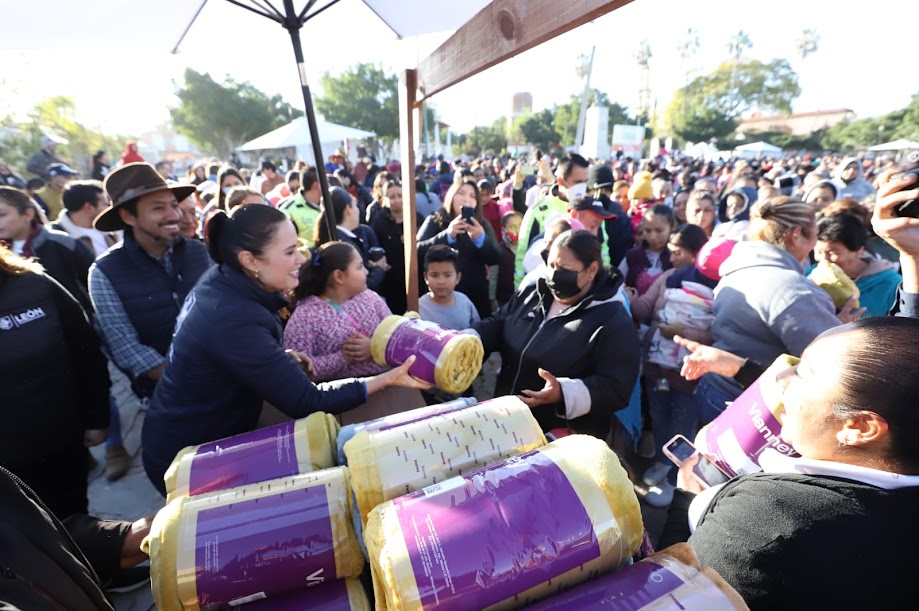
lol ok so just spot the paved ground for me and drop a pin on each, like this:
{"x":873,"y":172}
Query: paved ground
{"x":133,"y":496}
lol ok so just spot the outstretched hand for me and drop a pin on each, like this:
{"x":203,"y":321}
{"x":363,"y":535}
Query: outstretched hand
{"x":551,"y":392}
{"x":706,"y":359}
{"x":401,"y":377}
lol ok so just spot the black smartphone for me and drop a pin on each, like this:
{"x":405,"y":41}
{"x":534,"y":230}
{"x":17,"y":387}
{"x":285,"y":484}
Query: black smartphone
{"x":911,"y":207}
{"x":679,"y":450}
{"x":376,"y":253}
{"x":468,"y":213}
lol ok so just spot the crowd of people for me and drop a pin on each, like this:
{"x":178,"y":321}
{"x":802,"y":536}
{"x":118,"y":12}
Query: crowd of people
{"x":217,"y":292}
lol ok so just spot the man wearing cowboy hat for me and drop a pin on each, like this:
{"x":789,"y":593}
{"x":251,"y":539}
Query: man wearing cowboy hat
{"x":138,"y":285}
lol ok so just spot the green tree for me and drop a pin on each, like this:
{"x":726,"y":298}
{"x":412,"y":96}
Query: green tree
{"x":483,"y":139}
{"x":55,"y":116}
{"x":536,"y":129}
{"x":711,"y":104}
{"x":219,"y":117}
{"x":365,"y":97}
{"x":565,"y":121}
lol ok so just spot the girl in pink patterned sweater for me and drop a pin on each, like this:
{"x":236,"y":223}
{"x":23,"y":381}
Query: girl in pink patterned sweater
{"x":335,"y":314}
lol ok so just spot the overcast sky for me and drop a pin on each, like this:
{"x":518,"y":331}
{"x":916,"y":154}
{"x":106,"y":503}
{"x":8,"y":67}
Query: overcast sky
{"x":863,"y":61}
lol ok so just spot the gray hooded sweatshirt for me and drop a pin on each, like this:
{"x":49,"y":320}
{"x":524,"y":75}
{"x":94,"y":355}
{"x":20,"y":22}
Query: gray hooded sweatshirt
{"x":859,"y":189}
{"x":765,"y":305}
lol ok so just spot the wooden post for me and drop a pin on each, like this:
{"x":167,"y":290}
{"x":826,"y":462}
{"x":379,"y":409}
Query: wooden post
{"x":408,"y":132}
{"x":501,"y":30}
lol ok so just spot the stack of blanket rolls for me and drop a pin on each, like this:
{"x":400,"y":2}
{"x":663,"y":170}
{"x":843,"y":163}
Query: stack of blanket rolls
{"x":461,"y":505}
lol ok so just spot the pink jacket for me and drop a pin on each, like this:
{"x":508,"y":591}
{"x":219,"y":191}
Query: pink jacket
{"x":319,"y":330}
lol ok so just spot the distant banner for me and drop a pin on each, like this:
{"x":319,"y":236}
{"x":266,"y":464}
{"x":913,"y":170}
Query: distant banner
{"x":628,"y":138}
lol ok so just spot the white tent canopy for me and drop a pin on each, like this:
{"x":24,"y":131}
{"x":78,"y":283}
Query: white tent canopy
{"x":296,"y":134}
{"x":897,"y":145}
{"x":757,"y":149}
{"x":702,"y":150}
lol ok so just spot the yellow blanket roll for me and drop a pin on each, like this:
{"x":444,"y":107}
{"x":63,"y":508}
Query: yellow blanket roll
{"x":388,"y":463}
{"x":286,"y":449}
{"x":507,"y":535}
{"x":835,"y":282}
{"x":446,"y":358}
{"x":244,"y":544}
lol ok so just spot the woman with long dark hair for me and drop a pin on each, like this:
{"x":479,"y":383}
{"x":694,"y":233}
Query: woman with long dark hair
{"x":55,"y":385}
{"x":470,"y":235}
{"x":341,"y":221}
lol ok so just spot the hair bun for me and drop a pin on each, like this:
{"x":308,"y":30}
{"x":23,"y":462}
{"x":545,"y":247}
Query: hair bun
{"x":215,"y":228}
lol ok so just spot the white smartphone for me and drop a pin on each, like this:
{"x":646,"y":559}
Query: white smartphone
{"x":679,"y":450}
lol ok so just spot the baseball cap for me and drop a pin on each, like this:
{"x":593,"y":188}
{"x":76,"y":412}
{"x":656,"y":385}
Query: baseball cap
{"x":600,"y":175}
{"x":586,"y":202}
{"x":61,"y":169}
{"x":206,"y":186}
{"x":49,"y":140}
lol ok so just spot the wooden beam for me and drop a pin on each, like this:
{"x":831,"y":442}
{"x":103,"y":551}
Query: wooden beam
{"x":409,"y":111}
{"x":499,"y":31}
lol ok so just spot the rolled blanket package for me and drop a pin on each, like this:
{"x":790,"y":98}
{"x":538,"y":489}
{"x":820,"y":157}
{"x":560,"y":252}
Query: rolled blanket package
{"x":749,"y":425}
{"x":338,"y":595}
{"x":286,"y":449}
{"x":835,"y":282}
{"x":253,"y":542}
{"x":507,"y":535}
{"x":448,"y":359}
{"x":659,"y":582}
{"x":394,"y":420}
{"x":388,"y":463}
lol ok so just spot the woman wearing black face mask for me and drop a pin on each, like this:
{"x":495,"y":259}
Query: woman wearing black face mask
{"x":568,"y":347}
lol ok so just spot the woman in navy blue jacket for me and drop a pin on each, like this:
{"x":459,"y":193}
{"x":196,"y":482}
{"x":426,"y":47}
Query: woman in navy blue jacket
{"x":227,"y":357}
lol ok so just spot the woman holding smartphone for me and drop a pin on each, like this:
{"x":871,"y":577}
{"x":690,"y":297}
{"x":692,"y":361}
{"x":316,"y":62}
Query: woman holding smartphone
{"x":460,"y":224}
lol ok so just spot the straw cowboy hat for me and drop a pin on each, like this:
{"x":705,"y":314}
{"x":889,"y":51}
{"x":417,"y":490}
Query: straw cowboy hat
{"x":129,"y":183}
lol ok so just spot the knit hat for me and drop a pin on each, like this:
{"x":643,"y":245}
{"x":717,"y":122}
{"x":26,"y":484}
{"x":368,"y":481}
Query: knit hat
{"x":712,"y":254}
{"x":641,"y":187}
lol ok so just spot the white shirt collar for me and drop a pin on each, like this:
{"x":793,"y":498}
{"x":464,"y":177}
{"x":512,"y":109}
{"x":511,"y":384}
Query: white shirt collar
{"x":347,"y":232}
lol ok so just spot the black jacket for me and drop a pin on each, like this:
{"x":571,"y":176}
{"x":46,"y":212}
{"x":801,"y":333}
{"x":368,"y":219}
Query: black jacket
{"x":390,"y":234}
{"x":472,"y":261}
{"x":792,"y":541}
{"x":66,"y":259}
{"x":53,"y":375}
{"x":593,"y":341}
{"x":41,"y":566}
{"x":226,"y":359}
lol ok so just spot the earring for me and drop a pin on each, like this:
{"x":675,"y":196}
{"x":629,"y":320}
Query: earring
{"x":256,"y":274}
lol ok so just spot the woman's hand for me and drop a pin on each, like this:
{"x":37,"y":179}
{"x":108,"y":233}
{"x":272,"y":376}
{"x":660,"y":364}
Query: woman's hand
{"x":670,"y":331}
{"x":400,"y":376}
{"x":456,"y":226}
{"x":380,"y":263}
{"x":550,"y":393}
{"x":356,"y":348}
{"x":474,"y":229}
{"x":900,"y":232}
{"x":706,"y":359}
{"x":686,"y":479}
{"x":305,"y":362}
{"x":847,"y":314}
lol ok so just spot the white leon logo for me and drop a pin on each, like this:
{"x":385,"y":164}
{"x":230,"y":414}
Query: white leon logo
{"x":14,"y":321}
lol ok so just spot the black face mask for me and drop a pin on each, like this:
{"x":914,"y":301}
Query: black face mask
{"x":563,"y":283}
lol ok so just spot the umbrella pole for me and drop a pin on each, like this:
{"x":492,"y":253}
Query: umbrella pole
{"x":292,"y":24}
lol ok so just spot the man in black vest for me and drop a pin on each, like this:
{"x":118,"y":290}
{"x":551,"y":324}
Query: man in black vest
{"x":138,"y":286}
